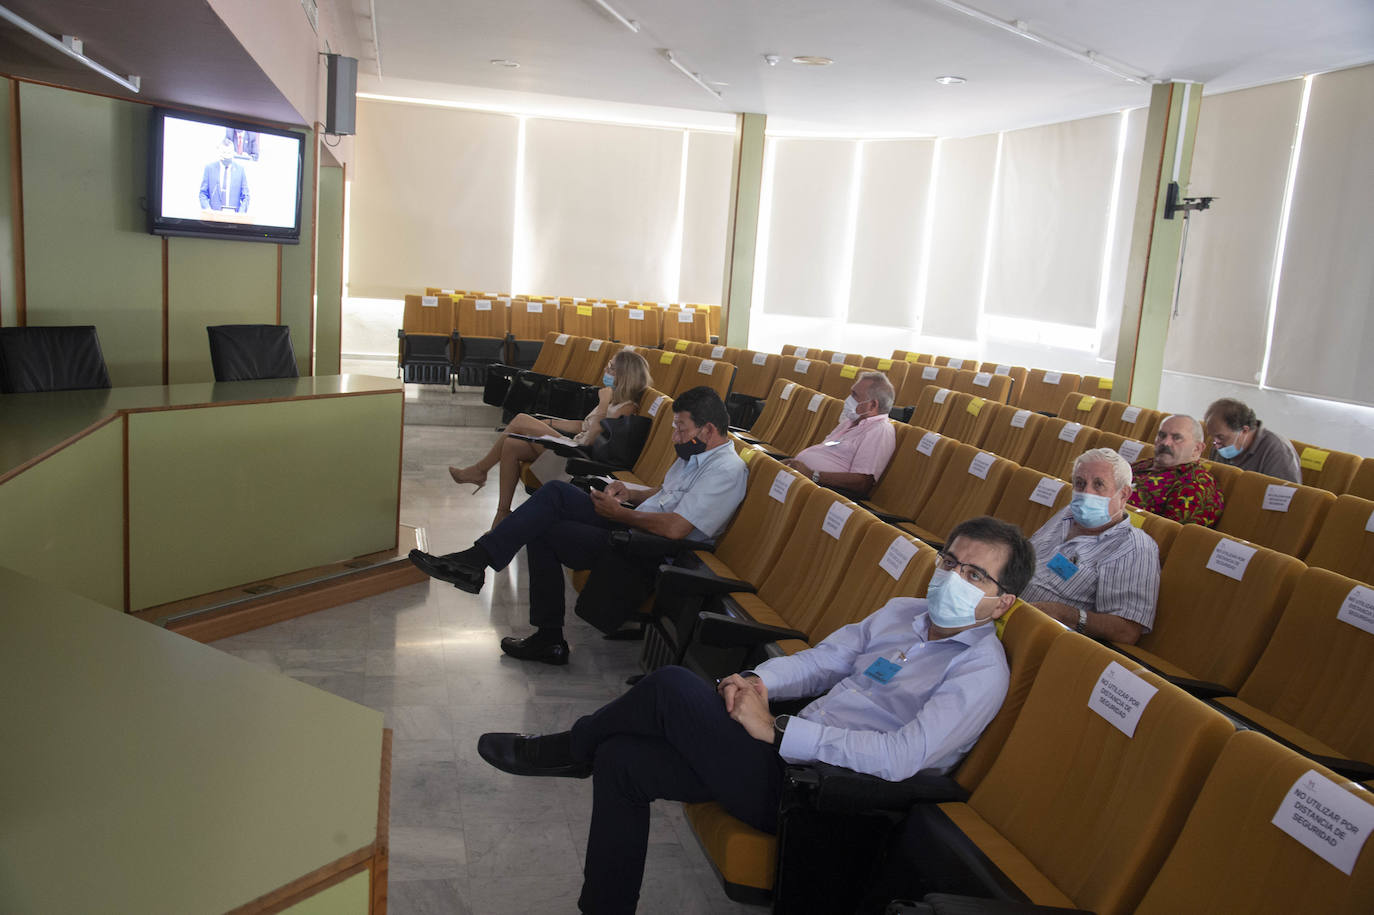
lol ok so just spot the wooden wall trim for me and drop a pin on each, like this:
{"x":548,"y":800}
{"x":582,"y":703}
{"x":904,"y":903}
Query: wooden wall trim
{"x":21,"y":305}
{"x":302,"y":888}
{"x":382,"y":856}
{"x":314,"y":247}
{"x":166,"y":311}
{"x":124,"y":477}
{"x":279,"y":259}
{"x":343,"y":230}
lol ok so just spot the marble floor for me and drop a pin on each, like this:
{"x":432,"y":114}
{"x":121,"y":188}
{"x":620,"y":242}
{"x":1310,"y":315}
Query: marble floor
{"x":466,"y":838}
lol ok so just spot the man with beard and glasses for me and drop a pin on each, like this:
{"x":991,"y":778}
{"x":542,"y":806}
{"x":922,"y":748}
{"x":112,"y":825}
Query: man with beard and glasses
{"x":1173,"y":483}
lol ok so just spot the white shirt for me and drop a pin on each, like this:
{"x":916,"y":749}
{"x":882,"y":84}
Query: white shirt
{"x":705,"y":489}
{"x":1118,"y":570}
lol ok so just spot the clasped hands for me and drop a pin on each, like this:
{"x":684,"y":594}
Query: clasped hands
{"x":746,"y":701}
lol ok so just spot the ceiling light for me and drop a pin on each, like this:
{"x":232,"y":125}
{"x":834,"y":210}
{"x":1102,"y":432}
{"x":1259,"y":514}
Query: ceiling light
{"x":507,"y":64}
{"x":949,"y":80}
{"x":615,"y":14}
{"x":808,"y":61}
{"x":694,"y":77}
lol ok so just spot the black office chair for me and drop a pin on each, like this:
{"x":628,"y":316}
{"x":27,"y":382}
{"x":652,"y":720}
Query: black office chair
{"x":34,"y":359}
{"x":246,"y":352}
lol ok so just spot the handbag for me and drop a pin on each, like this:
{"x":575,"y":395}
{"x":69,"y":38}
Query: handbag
{"x":621,"y":440}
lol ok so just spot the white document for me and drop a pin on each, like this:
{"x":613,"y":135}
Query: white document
{"x":835,"y":519}
{"x":1231,"y":559}
{"x":429,"y":301}
{"x":799,"y":351}
{"x":1053,"y":377}
{"x":1046,"y":491}
{"x":504,"y":300}
{"x":955,"y":364}
{"x":983,"y":379}
{"x":930,"y":373}
{"x":980,"y":464}
{"x":446,"y":291}
{"x":897,"y":557}
{"x":484,"y":304}
{"x":1070,"y":432}
{"x":942,"y":395}
{"x":1019,"y":419}
{"x":706,"y":367}
{"x":803,"y":366}
{"x":689,"y":308}
{"x":1120,"y":696}
{"x":534,"y":308}
{"x":594,"y":346}
{"x":561,"y":339}
{"x":717,"y":352}
{"x":636,"y":314}
{"x":1328,"y":820}
{"x":653,"y":408}
{"x":545,"y":439}
{"x":815,"y":404}
{"x":686,"y":317}
{"x":1358,"y":608}
{"x":1277,"y":497}
{"x":837,"y":357}
{"x":787,"y":391}
{"x":781,"y":484}
{"x":928,"y":443}
{"x":1130,"y":450}
{"x":632,"y":487}
{"x":1130,"y":414}
{"x":760,"y":359}
{"x":1002,"y":369}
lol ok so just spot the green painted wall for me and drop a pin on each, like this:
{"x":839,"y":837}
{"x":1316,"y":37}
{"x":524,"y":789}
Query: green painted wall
{"x":329,"y":272}
{"x":296,"y":263}
{"x":8,"y":299}
{"x":214,"y":282}
{"x":351,"y":895}
{"x":88,"y":256}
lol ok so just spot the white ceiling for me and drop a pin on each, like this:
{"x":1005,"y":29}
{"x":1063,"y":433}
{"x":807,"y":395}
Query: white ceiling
{"x":887,"y":54}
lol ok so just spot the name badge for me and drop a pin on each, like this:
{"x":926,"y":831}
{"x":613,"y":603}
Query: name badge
{"x":1061,"y":566}
{"x":882,"y":670}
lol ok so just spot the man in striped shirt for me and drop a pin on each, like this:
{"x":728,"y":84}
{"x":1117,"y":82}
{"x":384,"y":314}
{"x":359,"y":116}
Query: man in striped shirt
{"x":1096,"y":572}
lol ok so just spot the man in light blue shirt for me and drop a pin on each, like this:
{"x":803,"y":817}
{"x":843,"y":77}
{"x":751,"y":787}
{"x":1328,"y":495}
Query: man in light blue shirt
{"x":907,"y":690}
{"x":560,"y":525}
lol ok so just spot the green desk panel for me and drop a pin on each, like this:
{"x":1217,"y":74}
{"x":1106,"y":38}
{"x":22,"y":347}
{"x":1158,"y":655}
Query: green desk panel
{"x":220,"y":496}
{"x":62,"y":520}
{"x":350,"y":897}
{"x":145,"y":772}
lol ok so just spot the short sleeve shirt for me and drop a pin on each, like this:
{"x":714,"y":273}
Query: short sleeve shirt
{"x":854,"y":447}
{"x":1116,"y":571}
{"x":1270,"y":454}
{"x":705,"y":489}
{"x":1185,"y":493}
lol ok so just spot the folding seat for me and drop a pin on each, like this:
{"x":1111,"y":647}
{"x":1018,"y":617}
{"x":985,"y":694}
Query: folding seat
{"x":531,"y":323}
{"x":918,"y":460}
{"x":712,"y":321}
{"x":1163,"y":531}
{"x":1087,"y":795}
{"x":754,"y":373}
{"x":1345,"y":542}
{"x":1044,"y":391}
{"x":894,"y":370}
{"x":1096,"y":385}
{"x":1128,"y":421}
{"x":1058,"y":444}
{"x":1311,"y":685}
{"x":996,"y":388}
{"x":435,"y":290}
{"x":1232,"y":856}
{"x":686,"y":322}
{"x":932,"y":407}
{"x":1275,"y":513}
{"x":955,"y":362}
{"x":666,"y":368}
{"x":966,"y":418}
{"x":715,"y":374}
{"x":918,"y":378}
{"x":1219,"y":601}
{"x":1329,"y":470}
{"x":1129,"y":449}
{"x":970,"y":486}
{"x":656,"y":456}
{"x":587,"y":320}
{"x":574,"y":393}
{"x":1031,"y":498}
{"x":818,"y":415}
{"x":775,"y":407}
{"x":901,"y":355}
{"x":793,"y":424}
{"x":1012,"y":431}
{"x":808,"y":372}
{"x":426,"y":339}
{"x":639,"y":326}
{"x":801,"y":352}
{"x":1017,"y":374}
{"x":1226,"y":476}
{"x":1083,"y":408}
{"x":843,"y":358}
{"x":839,"y":378}
{"x":718,"y":351}
{"x":483,"y":329}
{"x":1362,"y":484}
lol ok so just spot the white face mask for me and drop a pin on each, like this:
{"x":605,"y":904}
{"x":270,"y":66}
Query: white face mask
{"x":951,"y":601}
{"x":850,"y":411}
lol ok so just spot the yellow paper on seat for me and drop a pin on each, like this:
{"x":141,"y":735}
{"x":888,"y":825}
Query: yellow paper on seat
{"x":682,"y":346}
{"x":584,"y":310}
{"x":666,"y":358}
{"x":1314,"y":458}
{"x":884,"y":364}
{"x":1086,"y":402}
{"x":913,"y":357}
{"x":1104,"y":384}
{"x":849,"y":371}
{"x":975,"y":406}
{"x":1137,"y":519}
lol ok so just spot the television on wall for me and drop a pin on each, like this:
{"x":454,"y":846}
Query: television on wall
{"x":215,"y":177}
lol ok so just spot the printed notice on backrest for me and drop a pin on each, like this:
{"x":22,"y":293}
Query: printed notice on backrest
{"x":898,"y":555}
{"x":1358,"y":609}
{"x":1230,"y":559}
{"x":1329,"y":820}
{"x":1120,"y":696}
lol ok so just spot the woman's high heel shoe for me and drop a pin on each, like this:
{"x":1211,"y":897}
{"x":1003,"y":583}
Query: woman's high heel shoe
{"x":461,"y":476}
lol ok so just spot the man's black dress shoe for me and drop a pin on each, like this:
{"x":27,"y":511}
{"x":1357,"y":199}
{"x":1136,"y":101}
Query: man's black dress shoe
{"x":459,"y":574}
{"x":521,"y":754}
{"x":531,"y":650}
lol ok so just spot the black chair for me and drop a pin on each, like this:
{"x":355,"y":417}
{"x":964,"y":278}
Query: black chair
{"x":34,"y":359}
{"x":246,"y":352}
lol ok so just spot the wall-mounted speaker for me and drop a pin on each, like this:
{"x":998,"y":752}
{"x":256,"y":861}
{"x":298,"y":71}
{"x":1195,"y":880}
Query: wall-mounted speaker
{"x":341,"y":95}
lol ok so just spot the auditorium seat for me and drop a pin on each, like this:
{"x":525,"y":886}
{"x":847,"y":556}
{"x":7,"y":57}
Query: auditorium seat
{"x":1012,"y":431}
{"x":1129,"y":421}
{"x":1130,"y":449}
{"x":1087,"y":409}
{"x":1045,"y":390}
{"x":425,"y":339}
{"x":715,"y":374}
{"x":970,"y":486}
{"x":805,"y":419}
{"x":1226,"y":476}
{"x":801,"y":352}
{"x":839,"y":378}
{"x":1311,"y":685}
{"x":1017,"y":374}
{"x":586,"y":320}
{"x":1096,"y":385}
{"x":918,"y":378}
{"x":1031,"y":498}
{"x":1057,"y":445}
{"x":1329,"y":470}
{"x":955,"y":362}
{"x":1362,"y":484}
{"x":687,"y":322}
{"x":483,"y":326}
{"x":51,"y":358}
{"x":1210,"y":625}
{"x":894,"y":370}
{"x":918,"y":459}
{"x":932,"y":407}
{"x":773,"y":408}
{"x":657,"y":455}
{"x":1231,"y":857}
{"x":637,"y":326}
{"x":755,"y":372}
{"x":1163,"y":531}
{"x":912,"y":358}
{"x":1074,"y":812}
{"x":1345,"y":542}
{"x":531,"y":323}
{"x":996,"y":388}
{"x":967,"y":418}
{"x":666,"y":368}
{"x":248,"y":352}
{"x":803,"y":371}
{"x":1274,"y":513}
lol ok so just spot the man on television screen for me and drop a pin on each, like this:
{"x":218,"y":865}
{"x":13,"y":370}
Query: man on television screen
{"x":224,"y":186}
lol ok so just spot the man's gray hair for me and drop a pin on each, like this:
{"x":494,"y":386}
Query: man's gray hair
{"x":1196,"y":426}
{"x":879,"y":389}
{"x":1121,"y":470}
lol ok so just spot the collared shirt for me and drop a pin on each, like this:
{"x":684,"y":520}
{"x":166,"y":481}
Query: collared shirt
{"x":1187,"y":493}
{"x":863,"y":446}
{"x":1268,"y":453}
{"x":705,"y":489}
{"x":1118,"y":570}
{"x":923,"y":719}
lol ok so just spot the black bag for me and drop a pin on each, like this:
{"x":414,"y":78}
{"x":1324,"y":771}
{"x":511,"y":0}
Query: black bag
{"x":621,"y":440}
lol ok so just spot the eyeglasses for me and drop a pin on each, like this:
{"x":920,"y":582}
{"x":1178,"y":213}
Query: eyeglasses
{"x":970,"y":573}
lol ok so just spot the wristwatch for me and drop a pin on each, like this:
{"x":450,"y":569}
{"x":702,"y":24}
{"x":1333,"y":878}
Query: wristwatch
{"x":1082,"y":621}
{"x":779,"y":725}
{"x":815,"y":476}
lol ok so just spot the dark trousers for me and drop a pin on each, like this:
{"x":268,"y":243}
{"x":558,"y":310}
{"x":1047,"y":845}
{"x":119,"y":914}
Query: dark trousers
{"x":669,"y":737}
{"x":558,"y":527}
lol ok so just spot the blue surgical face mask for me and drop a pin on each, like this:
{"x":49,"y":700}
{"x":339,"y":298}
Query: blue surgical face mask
{"x":1228,"y":451}
{"x":608,"y":380}
{"x":1090,"y":510}
{"x":951,"y":601}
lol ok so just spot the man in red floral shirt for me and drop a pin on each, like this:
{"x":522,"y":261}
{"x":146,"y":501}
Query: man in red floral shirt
{"x":1173,"y":484}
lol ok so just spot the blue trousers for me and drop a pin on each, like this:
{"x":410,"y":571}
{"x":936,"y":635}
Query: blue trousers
{"x":669,"y":737}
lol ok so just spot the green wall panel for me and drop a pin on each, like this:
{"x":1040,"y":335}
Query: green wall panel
{"x":8,"y":293}
{"x":329,"y":272}
{"x":88,"y":256}
{"x":297,"y":261}
{"x":221,"y":496}
{"x":211,"y":281}
{"x":349,"y":897}
{"x":62,"y":520}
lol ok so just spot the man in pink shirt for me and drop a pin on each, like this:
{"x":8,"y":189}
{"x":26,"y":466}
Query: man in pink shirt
{"x":855,"y":453}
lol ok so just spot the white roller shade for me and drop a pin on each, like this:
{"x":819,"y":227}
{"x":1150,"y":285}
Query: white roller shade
{"x":430,"y":199}
{"x":1131,"y":159}
{"x":958,"y":236}
{"x":704,"y":219}
{"x":887,"y":242}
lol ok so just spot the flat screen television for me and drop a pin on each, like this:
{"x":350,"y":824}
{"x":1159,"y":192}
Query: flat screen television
{"x":214,"y":177}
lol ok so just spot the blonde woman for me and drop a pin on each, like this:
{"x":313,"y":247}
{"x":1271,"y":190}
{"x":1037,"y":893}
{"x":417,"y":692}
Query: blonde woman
{"x":626,"y":377}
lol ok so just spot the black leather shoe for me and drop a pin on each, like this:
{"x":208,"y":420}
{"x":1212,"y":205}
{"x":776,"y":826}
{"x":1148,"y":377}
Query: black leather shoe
{"x":522,"y":754}
{"x":460,"y":575}
{"x":529,"y":650}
